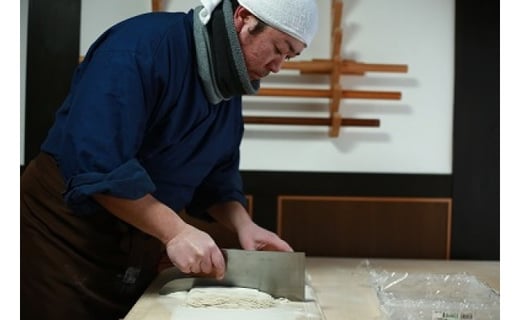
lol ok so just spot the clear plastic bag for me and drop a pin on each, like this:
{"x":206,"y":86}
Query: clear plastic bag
{"x":429,"y":296}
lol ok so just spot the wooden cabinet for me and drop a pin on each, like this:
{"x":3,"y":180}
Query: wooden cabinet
{"x":366,"y":226}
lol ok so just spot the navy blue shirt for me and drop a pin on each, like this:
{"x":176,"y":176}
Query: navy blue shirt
{"x":137,"y":121}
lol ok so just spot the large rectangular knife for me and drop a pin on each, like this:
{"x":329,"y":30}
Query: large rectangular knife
{"x":280,"y":274}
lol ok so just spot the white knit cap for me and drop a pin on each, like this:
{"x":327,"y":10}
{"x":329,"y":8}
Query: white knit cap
{"x":297,"y":18}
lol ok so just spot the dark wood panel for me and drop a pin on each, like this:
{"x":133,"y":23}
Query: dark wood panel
{"x":367,"y":227}
{"x":347,"y":184}
{"x":476,"y":131}
{"x":53,"y":34}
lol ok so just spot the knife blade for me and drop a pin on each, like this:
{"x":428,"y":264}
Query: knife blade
{"x":280,"y":274}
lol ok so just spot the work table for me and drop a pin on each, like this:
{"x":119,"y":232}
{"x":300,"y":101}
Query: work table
{"x":341,"y":283}
{"x":342,"y":286}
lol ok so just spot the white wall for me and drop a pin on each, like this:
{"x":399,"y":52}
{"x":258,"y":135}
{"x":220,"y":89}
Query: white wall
{"x":99,"y":15}
{"x":415,"y":135}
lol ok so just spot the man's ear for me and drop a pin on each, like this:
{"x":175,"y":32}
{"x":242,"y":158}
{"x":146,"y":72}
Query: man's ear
{"x":242,"y":17}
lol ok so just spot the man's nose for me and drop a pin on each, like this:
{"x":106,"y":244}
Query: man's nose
{"x":276,"y":65}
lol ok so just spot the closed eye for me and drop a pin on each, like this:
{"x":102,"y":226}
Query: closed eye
{"x":286,"y":57}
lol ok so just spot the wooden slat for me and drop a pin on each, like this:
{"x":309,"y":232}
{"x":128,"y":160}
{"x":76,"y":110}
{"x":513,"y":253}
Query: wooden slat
{"x":352,"y":66}
{"x":382,"y":95}
{"x":335,"y":101}
{"x":337,"y":14}
{"x":336,"y":125}
{"x":310,"y":121}
{"x":328,"y":93}
{"x":157,"y":5}
{"x":323,"y":66}
{"x":337,"y":39}
{"x":336,"y":28}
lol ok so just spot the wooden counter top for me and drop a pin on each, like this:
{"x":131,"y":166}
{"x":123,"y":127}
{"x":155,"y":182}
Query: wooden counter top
{"x":341,"y":284}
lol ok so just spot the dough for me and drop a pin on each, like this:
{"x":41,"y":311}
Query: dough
{"x":229,"y":298}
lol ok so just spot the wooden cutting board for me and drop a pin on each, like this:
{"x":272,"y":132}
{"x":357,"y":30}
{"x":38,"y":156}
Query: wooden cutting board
{"x":173,"y":306}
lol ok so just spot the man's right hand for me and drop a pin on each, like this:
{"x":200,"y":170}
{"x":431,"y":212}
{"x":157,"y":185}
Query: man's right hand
{"x":188,"y":248}
{"x":194,"y":251}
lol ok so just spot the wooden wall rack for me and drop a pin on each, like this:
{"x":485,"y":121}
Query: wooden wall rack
{"x":335,"y":67}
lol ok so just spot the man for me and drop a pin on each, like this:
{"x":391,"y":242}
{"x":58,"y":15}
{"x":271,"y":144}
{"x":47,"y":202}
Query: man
{"x":151,"y":126}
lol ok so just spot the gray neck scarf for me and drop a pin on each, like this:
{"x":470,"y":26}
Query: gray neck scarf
{"x":221,"y":64}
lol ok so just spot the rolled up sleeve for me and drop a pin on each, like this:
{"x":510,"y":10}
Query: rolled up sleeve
{"x":129,"y":181}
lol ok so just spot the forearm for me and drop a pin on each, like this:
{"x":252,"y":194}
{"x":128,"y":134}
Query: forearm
{"x":188,"y":248}
{"x":251,"y":236}
{"x":147,"y":214}
{"x":231,"y":214}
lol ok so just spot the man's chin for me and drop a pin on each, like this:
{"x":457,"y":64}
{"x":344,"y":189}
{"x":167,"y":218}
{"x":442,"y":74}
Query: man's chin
{"x":255,"y":76}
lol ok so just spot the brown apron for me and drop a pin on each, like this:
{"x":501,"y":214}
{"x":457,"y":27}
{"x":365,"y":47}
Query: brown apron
{"x":77,"y":266}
